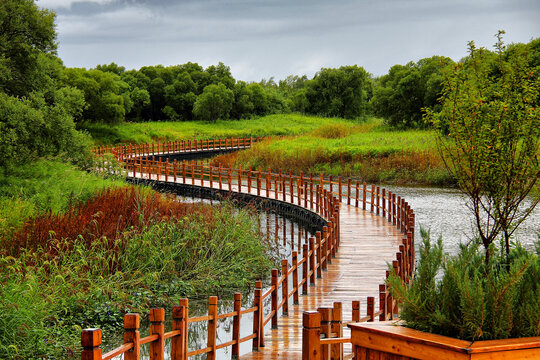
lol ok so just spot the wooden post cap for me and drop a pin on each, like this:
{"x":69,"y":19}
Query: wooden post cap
{"x":91,"y":338}
{"x":311,"y":319}
{"x":179,"y":312}
{"x":131,"y":321}
{"x":212,"y":300}
{"x":157,"y":315}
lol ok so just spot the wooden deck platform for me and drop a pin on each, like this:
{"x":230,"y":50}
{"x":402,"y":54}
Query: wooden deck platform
{"x":368,"y":242}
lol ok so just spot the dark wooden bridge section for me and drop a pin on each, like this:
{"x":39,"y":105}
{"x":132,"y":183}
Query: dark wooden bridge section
{"x":339,"y":273}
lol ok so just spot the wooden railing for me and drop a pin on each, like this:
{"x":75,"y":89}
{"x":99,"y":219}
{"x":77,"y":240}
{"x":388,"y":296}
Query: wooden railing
{"x":317,"y":194}
{"x":128,"y":151}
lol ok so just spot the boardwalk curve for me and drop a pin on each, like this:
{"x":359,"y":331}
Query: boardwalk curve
{"x":370,"y":226}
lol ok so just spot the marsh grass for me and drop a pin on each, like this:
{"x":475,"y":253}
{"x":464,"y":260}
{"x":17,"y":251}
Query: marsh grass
{"x":369,"y":152}
{"x":271,"y":125}
{"x":51,"y":292}
{"x":46,"y":185}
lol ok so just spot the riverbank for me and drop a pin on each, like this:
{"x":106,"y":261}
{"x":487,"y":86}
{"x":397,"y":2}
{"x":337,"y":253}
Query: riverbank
{"x":124,"y":250}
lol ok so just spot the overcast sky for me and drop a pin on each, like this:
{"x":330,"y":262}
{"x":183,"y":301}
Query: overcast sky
{"x":263,"y":38}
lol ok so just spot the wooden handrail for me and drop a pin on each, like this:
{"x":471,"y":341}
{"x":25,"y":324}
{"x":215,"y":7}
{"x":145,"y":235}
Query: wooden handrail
{"x":317,"y":194}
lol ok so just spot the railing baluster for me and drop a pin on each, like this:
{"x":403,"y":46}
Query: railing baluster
{"x":132,"y":335}
{"x":157,"y":327}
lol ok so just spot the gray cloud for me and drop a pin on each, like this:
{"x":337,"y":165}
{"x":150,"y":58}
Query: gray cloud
{"x":263,"y":38}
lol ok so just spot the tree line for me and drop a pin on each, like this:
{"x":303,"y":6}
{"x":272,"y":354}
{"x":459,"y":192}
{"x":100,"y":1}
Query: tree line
{"x":42,"y":102}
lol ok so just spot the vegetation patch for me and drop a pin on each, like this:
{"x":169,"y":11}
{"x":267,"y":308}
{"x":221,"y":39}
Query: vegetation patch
{"x":271,"y":125}
{"x":51,"y":290}
{"x":462,"y":296}
{"x":369,"y":152}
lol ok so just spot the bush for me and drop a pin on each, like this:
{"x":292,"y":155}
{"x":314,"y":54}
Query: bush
{"x":463,"y":297}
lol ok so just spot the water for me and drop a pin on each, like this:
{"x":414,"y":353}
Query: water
{"x":444,"y":213}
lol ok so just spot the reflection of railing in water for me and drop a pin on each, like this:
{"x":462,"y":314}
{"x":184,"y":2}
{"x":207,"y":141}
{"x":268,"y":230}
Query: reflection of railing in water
{"x":316,"y":195}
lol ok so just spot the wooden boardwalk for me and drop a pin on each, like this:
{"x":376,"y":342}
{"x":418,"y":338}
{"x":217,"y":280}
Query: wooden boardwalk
{"x":367,"y":243}
{"x":365,"y":227}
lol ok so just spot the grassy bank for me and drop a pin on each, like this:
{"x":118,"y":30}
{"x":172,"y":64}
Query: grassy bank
{"x":280,"y":124}
{"x":44,"y":185}
{"x":369,"y":152}
{"x":136,"y":249}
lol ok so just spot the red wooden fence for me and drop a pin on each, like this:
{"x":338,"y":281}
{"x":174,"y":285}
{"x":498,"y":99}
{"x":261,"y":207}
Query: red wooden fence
{"x":315,"y":193}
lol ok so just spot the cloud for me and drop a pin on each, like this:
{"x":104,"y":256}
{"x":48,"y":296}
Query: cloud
{"x":264,"y":38}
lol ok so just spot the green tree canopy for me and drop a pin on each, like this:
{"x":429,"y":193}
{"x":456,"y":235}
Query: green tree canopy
{"x":339,"y":92}
{"x":490,"y":136}
{"x":214,"y":103}
{"x":26,"y":35}
{"x":401,"y":95}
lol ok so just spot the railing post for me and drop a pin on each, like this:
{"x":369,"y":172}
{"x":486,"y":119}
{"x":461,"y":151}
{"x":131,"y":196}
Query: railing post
{"x":340,"y":184}
{"x":239,"y":178}
{"x":185,"y":303}
{"x":212,"y":327}
{"x":312,"y":261}
{"x":382,"y":302}
{"x":295,"y":277}
{"x":319,"y":250}
{"x":157,"y":327}
{"x":305,"y":272}
{"x":348,"y":191}
{"x":132,"y":335}
{"x":326,"y":330}
{"x":371,"y":308}
{"x":249,"y":180}
{"x":91,"y":342}
{"x":337,"y":328}
{"x":378,"y":207}
{"x":326,"y":239}
{"x":393,"y":209}
{"x":178,"y":349}
{"x":364,"y":190}
{"x":236,"y":325}
{"x":372,"y":207}
{"x":220,"y":179}
{"x":356,"y":311}
{"x":383,"y":202}
{"x":285,"y":286}
{"x":311,"y":335}
{"x":274,"y":296}
{"x":258,"y":316}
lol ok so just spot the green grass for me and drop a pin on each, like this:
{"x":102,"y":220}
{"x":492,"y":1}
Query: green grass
{"x":47,"y":296}
{"x":368,"y":151}
{"x":375,"y":141}
{"x":44,"y":185}
{"x":280,"y":124}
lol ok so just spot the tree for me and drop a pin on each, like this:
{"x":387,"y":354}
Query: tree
{"x":214,"y":103}
{"x":490,"y":135}
{"x":338,"y":92}
{"x":401,"y":95}
{"x":26,"y":35}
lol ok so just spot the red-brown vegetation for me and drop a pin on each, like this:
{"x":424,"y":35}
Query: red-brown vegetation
{"x":108,"y":214}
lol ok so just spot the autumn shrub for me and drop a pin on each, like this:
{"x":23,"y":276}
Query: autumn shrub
{"x":332,"y":131}
{"x":108,"y":214}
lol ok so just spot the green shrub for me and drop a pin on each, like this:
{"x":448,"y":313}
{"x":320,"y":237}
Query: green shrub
{"x":462,"y":297}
